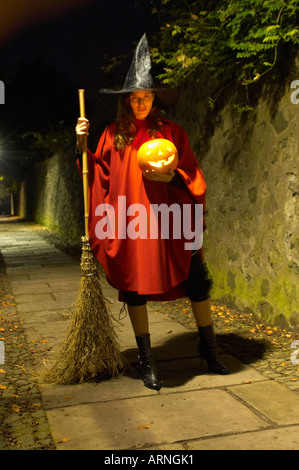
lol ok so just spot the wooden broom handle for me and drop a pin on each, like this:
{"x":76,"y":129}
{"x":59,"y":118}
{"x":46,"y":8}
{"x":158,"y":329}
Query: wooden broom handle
{"x":84,"y":163}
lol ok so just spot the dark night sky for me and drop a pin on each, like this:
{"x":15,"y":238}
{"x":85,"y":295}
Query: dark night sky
{"x":77,"y":42}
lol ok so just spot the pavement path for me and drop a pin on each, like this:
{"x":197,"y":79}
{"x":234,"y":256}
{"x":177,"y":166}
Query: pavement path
{"x":194,"y":410}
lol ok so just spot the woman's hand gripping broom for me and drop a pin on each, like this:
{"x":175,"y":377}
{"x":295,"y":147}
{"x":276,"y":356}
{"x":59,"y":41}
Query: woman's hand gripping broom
{"x":91,"y":349}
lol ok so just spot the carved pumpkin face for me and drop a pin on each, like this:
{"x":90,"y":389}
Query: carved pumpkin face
{"x":160,"y":155}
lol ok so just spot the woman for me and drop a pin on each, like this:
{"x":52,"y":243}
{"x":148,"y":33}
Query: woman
{"x":147,"y":268}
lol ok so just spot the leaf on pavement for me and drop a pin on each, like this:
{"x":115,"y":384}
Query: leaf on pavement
{"x":143,"y":426}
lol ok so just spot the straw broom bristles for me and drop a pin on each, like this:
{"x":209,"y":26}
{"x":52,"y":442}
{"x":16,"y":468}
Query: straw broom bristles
{"x":91,"y":349}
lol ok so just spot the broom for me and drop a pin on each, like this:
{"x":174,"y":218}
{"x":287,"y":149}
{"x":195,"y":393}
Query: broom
{"x":90,"y":349}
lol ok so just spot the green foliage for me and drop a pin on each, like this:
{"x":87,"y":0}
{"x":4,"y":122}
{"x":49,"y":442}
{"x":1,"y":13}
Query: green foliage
{"x":43,"y":144}
{"x":239,"y":40}
{"x":7,"y":186}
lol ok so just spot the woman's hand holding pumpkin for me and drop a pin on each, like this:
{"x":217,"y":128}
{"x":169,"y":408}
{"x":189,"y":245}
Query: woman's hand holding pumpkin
{"x":153,"y":175}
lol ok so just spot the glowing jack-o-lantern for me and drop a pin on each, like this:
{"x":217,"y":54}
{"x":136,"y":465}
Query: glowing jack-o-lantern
{"x":160,"y":155}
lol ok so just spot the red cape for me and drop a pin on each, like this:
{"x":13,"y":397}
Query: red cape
{"x":146,"y":265}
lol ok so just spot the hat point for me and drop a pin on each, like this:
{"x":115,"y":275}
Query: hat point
{"x":139,"y":77}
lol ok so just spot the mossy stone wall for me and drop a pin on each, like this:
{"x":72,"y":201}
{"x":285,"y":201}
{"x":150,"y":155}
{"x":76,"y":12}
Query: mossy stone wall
{"x":54,"y":195}
{"x":250,"y":162}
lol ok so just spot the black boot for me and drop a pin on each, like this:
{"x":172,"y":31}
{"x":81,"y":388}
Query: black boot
{"x":148,"y":367}
{"x":207,"y":349}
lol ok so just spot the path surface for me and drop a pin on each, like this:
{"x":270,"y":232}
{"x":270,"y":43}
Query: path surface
{"x":194,"y":410}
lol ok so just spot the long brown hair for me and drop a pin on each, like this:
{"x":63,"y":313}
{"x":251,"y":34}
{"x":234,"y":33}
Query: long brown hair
{"x":125,"y":130}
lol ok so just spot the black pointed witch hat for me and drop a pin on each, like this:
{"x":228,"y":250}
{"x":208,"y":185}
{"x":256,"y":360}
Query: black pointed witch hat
{"x":139,"y":78}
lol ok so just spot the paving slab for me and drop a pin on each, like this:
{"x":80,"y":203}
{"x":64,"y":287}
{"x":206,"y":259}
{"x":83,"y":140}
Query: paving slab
{"x":21,"y":287}
{"x":284,"y":438}
{"x":33,"y":296}
{"x":53,"y":332}
{"x":283,"y":408}
{"x":51,"y":304}
{"x":147,"y":421}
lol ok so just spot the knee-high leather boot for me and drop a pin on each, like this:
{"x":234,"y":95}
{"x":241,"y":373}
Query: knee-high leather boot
{"x":207,"y":349}
{"x":148,"y":366}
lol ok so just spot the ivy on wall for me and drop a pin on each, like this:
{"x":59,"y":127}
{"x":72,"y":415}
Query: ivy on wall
{"x":236,"y":40}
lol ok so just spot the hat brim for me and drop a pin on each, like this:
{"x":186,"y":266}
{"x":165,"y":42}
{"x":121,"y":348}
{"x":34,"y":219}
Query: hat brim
{"x":165,"y":97}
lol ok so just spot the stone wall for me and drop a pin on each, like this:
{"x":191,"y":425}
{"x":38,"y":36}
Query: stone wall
{"x":54,"y":195}
{"x":251,"y":168}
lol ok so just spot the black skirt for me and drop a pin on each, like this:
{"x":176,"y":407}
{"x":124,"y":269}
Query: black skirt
{"x":197,"y":286}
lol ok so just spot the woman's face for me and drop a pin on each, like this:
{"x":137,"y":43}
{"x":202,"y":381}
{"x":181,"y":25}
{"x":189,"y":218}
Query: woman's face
{"x":141,"y":102}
